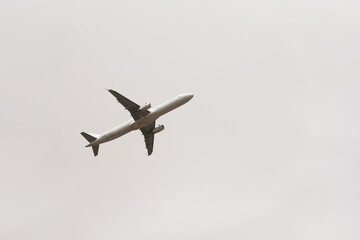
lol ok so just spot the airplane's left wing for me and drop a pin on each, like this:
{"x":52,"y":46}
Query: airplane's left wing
{"x":147,"y":131}
{"x":132,"y":107}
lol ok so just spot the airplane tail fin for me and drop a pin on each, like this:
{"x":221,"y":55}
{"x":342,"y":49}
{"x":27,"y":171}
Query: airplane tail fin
{"x":91,"y":138}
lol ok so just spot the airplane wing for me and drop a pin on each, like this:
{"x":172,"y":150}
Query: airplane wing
{"x":129,"y":105}
{"x":149,"y":137}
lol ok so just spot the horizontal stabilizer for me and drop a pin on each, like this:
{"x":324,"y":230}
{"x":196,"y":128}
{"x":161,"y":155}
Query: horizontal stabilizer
{"x":89,"y":137}
{"x":95,"y":149}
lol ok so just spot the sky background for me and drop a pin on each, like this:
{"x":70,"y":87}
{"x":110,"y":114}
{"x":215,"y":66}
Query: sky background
{"x":268,"y":148}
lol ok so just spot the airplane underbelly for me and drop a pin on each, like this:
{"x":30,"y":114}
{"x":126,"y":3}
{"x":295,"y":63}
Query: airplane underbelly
{"x":144,"y":121}
{"x":116,"y":132}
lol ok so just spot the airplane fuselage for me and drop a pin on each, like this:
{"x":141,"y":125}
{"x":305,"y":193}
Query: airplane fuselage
{"x":132,"y":125}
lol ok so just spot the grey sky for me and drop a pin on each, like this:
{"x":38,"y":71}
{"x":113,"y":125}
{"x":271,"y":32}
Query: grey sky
{"x":267,"y":149}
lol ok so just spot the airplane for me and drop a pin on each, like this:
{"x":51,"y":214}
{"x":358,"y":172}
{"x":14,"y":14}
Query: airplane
{"x":144,"y":118}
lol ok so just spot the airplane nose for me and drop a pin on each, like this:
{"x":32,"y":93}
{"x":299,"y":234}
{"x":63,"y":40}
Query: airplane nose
{"x":189,"y":95}
{"x":186,"y":97}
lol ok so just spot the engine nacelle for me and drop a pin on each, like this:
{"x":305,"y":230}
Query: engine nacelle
{"x":158,"y":129}
{"x":145,"y":107}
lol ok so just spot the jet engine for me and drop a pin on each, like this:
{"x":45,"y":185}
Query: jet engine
{"x":158,"y":129}
{"x":145,"y":107}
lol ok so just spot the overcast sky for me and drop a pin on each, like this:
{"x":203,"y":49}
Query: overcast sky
{"x":268,"y":148}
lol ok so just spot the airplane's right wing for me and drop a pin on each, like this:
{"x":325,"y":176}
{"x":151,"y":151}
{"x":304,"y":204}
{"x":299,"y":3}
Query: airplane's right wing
{"x":129,"y":105}
{"x":147,"y":131}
